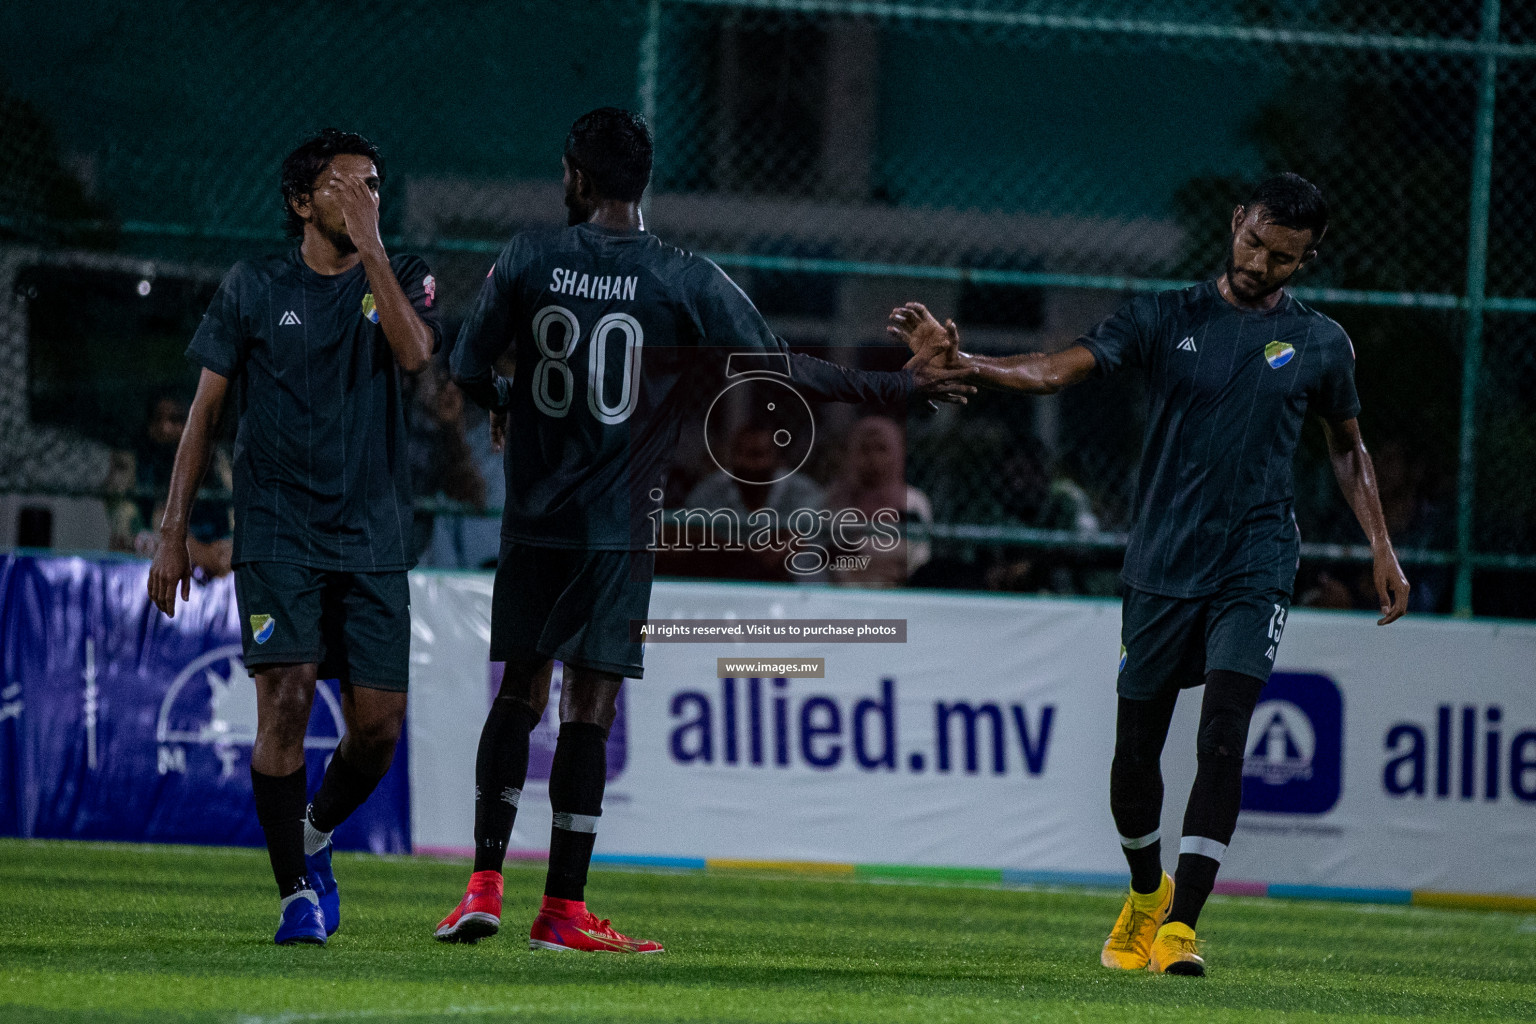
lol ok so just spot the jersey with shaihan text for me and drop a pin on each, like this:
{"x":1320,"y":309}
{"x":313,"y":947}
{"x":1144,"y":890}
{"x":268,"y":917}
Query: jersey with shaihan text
{"x":321,"y":468}
{"x":1228,"y":391}
{"x":616,"y":337}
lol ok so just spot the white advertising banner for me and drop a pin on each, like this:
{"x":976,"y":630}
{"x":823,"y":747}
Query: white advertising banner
{"x":1383,"y":758}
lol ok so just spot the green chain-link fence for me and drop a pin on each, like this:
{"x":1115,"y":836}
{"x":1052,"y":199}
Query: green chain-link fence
{"x":1021,"y":165}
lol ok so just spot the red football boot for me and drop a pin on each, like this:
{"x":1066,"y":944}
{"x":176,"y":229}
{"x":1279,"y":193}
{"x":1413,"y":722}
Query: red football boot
{"x":568,"y":925}
{"x":478,"y":914}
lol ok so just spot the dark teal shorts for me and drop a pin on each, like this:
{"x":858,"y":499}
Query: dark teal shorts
{"x":571,"y":605}
{"x":1170,"y":643}
{"x":356,"y":626}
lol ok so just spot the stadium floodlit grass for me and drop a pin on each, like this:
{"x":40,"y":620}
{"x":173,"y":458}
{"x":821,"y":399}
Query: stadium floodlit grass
{"x":104,"y":931}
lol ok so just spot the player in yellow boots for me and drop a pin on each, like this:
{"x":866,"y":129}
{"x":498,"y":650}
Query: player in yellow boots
{"x":1142,"y":939}
{"x":1129,"y":946}
{"x":1174,"y":951}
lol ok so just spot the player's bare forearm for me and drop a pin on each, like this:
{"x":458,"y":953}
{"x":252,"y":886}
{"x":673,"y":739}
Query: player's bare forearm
{"x":409,"y":337}
{"x":1357,"y":479}
{"x":1032,"y":373}
{"x":1036,"y":373}
{"x":171,"y":566}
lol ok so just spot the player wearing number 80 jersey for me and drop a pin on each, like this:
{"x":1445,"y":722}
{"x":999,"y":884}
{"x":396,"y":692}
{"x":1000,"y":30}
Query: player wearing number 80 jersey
{"x":616,"y":336}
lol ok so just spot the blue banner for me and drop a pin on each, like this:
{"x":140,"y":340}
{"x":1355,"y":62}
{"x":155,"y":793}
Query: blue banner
{"x":119,"y":723}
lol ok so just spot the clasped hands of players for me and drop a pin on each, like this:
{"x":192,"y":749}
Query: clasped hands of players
{"x":938,"y":372}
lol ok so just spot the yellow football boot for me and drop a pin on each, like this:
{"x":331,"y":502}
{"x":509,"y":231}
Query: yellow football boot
{"x":1175,"y":951}
{"x":1129,"y":945}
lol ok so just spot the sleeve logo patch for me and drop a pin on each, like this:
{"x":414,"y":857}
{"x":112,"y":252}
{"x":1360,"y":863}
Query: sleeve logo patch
{"x":1277,"y":354}
{"x":370,"y":311}
{"x":429,"y":288}
{"x":262,"y":627}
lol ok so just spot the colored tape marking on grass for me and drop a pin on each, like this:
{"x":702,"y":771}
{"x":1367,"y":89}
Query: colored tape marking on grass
{"x":1340,"y":894}
{"x":982,"y":876}
{"x":798,"y":867}
{"x":642,"y":861}
{"x":1474,"y":901}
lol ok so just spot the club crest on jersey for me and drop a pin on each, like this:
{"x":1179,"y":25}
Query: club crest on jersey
{"x":369,"y":309}
{"x":262,"y":627}
{"x":1277,"y":354}
{"x":429,"y":287}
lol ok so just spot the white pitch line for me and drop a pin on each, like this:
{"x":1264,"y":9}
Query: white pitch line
{"x":446,"y":1011}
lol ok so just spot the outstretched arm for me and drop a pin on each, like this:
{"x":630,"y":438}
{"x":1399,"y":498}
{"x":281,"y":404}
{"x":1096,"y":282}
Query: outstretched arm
{"x":930,"y":373}
{"x":1357,"y":478}
{"x":1035,"y":373}
{"x":172,"y":565}
{"x":726,"y":319}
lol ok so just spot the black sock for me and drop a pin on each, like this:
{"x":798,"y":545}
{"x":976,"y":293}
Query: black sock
{"x":1146,"y":864}
{"x":501,"y":768}
{"x":576,"y":781}
{"x":1210,"y":818}
{"x":1136,"y":786}
{"x":341,"y":792}
{"x":280,"y":809}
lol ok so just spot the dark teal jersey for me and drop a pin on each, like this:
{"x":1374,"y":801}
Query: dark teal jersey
{"x":1228,"y":390}
{"x":617,"y":337}
{"x":321,"y":468}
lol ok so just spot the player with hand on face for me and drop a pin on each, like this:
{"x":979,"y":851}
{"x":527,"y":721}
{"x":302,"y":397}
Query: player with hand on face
{"x":317,"y":341}
{"x":616,"y":336}
{"x":1232,"y":367}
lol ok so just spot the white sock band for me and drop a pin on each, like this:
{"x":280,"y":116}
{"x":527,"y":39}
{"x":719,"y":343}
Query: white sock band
{"x":314,"y":839}
{"x":1203,"y":847}
{"x":302,"y":894}
{"x":576,"y":822}
{"x":1146,"y":840}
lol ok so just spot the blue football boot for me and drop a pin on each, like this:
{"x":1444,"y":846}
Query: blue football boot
{"x":323,"y":881}
{"x":302,"y":922}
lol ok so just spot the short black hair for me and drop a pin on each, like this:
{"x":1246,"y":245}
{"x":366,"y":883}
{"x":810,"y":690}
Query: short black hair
{"x":303,"y":166}
{"x":613,"y":148}
{"x":1292,"y":201}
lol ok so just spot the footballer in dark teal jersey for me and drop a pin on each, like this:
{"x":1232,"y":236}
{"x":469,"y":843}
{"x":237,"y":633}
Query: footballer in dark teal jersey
{"x":1232,"y":367}
{"x":616,"y":337}
{"x":315,"y":343}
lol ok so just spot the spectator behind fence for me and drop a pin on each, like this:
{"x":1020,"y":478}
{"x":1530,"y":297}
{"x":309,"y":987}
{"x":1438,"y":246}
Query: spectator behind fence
{"x":465,"y":541}
{"x":141,"y":478}
{"x":1414,"y":521}
{"x":873,"y":479}
{"x":1042,"y":498}
{"x":753,"y":457}
{"x":443,"y":467}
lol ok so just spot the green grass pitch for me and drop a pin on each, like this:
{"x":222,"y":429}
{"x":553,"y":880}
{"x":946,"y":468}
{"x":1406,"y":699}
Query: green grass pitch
{"x":113,"y":932}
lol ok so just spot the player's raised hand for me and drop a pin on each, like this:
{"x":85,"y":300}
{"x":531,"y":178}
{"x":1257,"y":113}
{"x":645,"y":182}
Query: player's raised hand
{"x":1391,"y":588}
{"x":938,"y":370}
{"x":921,"y":332}
{"x":171,"y":568}
{"x":359,"y":200}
